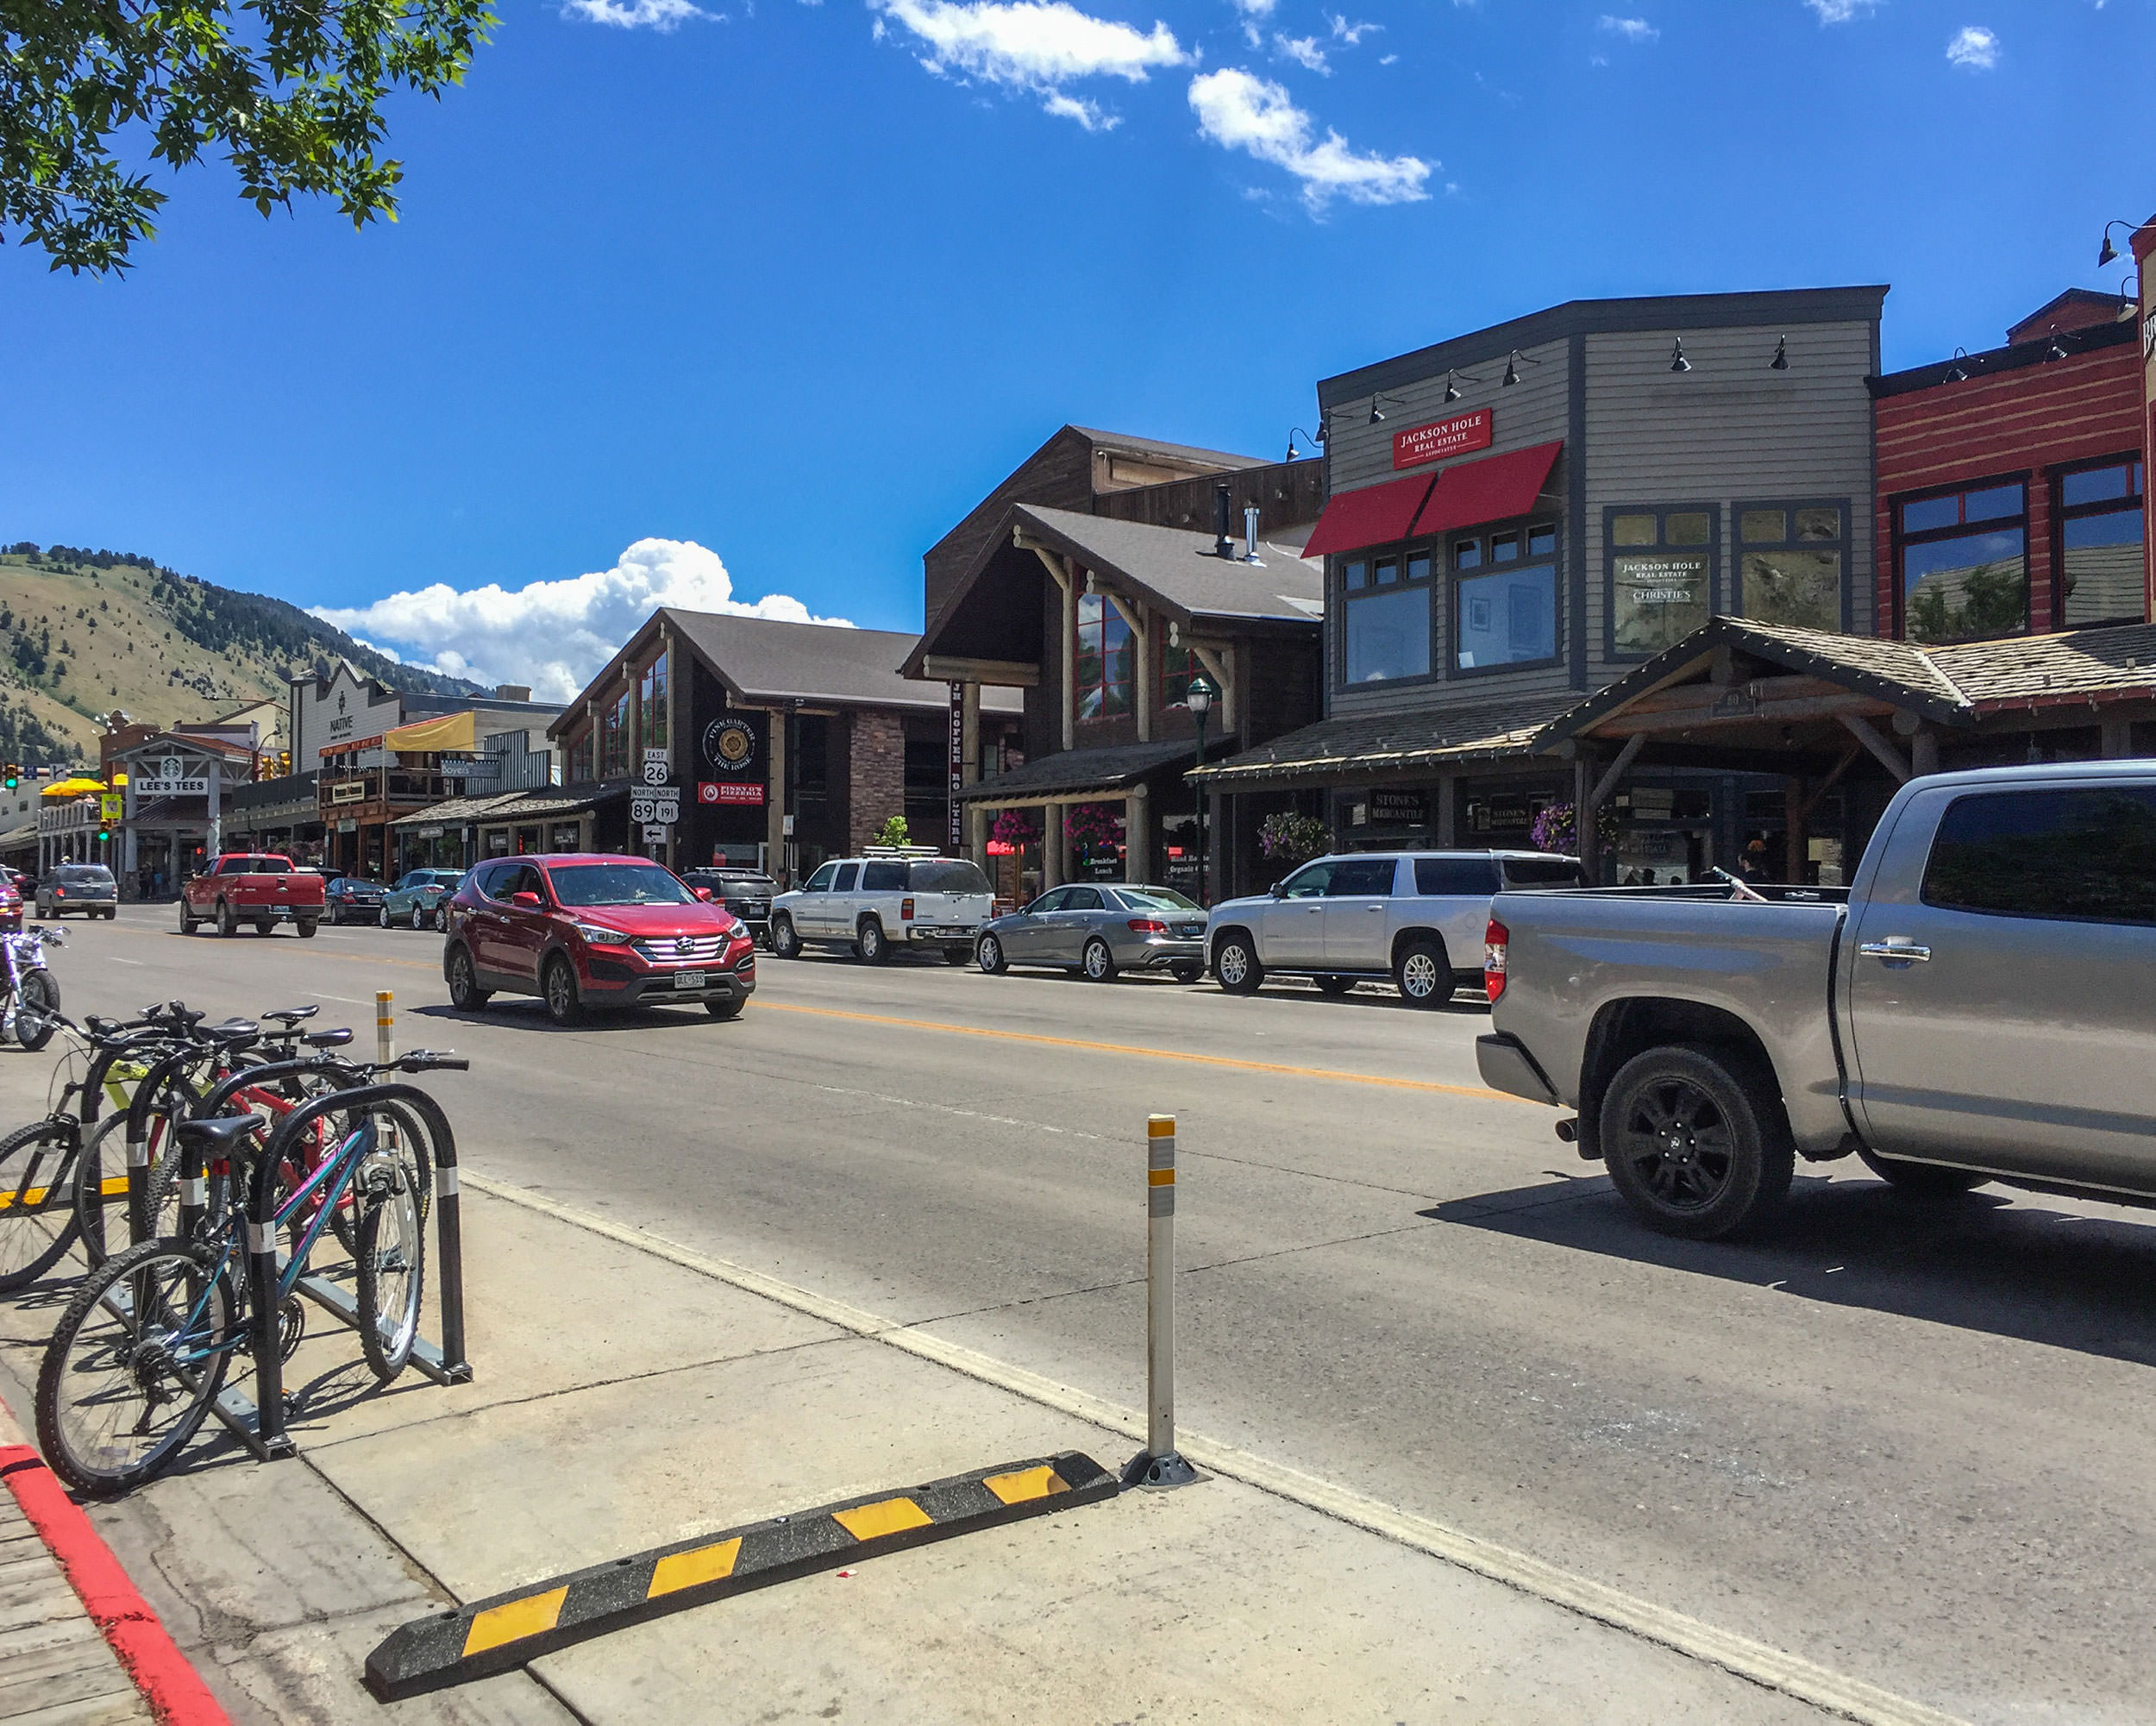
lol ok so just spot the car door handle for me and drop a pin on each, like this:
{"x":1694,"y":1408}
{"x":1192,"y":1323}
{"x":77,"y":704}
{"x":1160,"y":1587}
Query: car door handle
{"x":1894,"y":949}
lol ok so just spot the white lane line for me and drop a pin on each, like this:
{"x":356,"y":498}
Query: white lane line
{"x":1773,"y":1668}
{"x":963,"y":1113}
{"x":115,"y":959}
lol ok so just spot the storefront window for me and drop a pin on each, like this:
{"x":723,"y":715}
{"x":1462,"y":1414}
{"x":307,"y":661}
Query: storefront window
{"x":580,"y":756}
{"x":1103,"y":671}
{"x":1387,"y":630}
{"x":1178,"y":665}
{"x":1507,"y":616}
{"x":616,"y":763}
{"x":1790,"y":563}
{"x":651,"y":700}
{"x":1965,"y":564}
{"x":1661,"y":577}
{"x":2100,"y":544}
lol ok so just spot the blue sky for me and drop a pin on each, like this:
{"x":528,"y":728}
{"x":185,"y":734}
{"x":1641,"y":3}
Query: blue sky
{"x":787,"y":287}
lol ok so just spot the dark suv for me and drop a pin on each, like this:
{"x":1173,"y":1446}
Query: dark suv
{"x":745,"y":892}
{"x":585,"y":930}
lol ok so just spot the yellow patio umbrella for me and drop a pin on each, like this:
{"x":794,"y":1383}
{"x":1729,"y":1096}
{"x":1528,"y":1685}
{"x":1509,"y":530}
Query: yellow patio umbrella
{"x":76,"y":787}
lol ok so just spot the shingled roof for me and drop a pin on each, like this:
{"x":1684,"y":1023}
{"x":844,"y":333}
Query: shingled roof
{"x":1388,"y":742}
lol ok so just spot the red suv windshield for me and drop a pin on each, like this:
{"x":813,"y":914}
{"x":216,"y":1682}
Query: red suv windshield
{"x":616,"y":883}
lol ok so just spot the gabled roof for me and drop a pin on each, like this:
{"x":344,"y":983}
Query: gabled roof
{"x":1178,"y":572}
{"x":1389,"y":742}
{"x":2073,"y":666}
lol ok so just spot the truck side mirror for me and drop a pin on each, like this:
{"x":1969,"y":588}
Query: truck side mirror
{"x":1278,"y":889}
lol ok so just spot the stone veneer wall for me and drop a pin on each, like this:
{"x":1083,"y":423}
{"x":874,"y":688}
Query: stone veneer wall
{"x":875,"y":775}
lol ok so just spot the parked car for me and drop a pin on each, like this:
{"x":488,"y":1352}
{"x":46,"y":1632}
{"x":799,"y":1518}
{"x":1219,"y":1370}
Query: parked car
{"x":888,"y":896}
{"x":10,"y":908}
{"x":87,"y":888}
{"x":1416,"y":917}
{"x":351,"y":898}
{"x":416,"y":896}
{"x":747,"y":893}
{"x":1973,"y":1007}
{"x":261,"y":888}
{"x":1096,"y":930}
{"x":583,"y":930}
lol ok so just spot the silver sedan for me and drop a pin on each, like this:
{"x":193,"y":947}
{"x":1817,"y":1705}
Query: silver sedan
{"x":1099,"y":930}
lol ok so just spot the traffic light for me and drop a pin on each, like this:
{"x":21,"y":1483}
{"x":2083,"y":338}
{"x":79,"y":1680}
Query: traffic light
{"x":104,"y":833}
{"x":14,"y":775}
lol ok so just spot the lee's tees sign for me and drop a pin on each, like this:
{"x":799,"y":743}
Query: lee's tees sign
{"x":1444,"y":437}
{"x":171,"y":776}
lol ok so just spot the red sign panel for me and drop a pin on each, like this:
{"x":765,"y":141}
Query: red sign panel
{"x":728,"y":791}
{"x":1433,"y":442}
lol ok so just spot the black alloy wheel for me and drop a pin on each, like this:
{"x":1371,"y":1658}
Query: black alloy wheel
{"x":989,"y":956}
{"x":465,"y":993}
{"x":1695,"y":1140}
{"x":785,"y":942}
{"x":1234,"y":963}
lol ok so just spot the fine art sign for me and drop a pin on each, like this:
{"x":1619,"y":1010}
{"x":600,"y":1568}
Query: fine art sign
{"x":1454,"y":436}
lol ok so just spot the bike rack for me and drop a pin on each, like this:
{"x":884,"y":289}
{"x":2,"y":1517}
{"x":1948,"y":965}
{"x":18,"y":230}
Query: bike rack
{"x":147,"y":1090}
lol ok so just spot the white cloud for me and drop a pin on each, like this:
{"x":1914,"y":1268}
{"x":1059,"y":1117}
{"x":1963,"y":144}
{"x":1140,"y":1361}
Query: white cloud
{"x":1033,"y":45}
{"x":629,"y":14}
{"x":1387,"y":60}
{"x":1256,"y":8}
{"x":1841,"y":11}
{"x":1351,"y":35}
{"x":1303,"y":50}
{"x":1973,"y":49}
{"x":1238,"y":111}
{"x":554,"y":635}
{"x":1631,"y":29}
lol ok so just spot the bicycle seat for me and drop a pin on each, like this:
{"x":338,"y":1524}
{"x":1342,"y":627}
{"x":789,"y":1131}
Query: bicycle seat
{"x":220,"y":1135}
{"x":290,"y":1016}
{"x":329,"y":1039}
{"x":236,"y":1032}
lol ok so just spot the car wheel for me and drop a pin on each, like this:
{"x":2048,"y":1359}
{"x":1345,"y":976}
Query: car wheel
{"x":1695,"y":1140}
{"x":729,"y":1009}
{"x":228,"y":919}
{"x":871,"y":946}
{"x":956,"y":956}
{"x":1335,"y":985}
{"x":423,"y":919}
{"x":1097,"y":962}
{"x":186,"y":923}
{"x":465,"y":993}
{"x":785,"y":943}
{"x":306,"y":926}
{"x":559,"y":989}
{"x":264,"y":925}
{"x":1234,"y":963}
{"x":1187,"y":973}
{"x":381,"y":917}
{"x":988,"y":955}
{"x":1921,"y":1180}
{"x":1422,"y":976}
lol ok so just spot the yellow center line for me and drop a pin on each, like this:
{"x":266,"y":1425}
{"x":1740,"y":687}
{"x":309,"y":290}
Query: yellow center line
{"x":1229,"y":1061}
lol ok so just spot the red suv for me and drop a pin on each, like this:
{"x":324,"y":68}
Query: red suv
{"x":582,"y":930}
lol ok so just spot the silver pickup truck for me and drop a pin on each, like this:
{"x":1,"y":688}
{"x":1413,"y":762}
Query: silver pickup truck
{"x":1980,"y":1005}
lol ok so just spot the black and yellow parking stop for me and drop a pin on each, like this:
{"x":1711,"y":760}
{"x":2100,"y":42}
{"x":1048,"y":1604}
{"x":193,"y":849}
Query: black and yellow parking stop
{"x":496,"y":1634}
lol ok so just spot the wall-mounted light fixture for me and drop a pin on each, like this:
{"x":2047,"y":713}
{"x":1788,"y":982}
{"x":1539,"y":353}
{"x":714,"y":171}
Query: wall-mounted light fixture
{"x":1316,"y":441}
{"x":1452,"y":388}
{"x":1677,"y":361}
{"x":1780,"y":363}
{"x":2057,"y":350}
{"x":1377,"y":413}
{"x":1514,"y":361}
{"x":2106,"y":253}
{"x":1956,"y":372}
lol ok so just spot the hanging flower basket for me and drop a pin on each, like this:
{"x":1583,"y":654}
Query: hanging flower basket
{"x":1555,"y":829}
{"x":1092,"y":826}
{"x":1291,"y":838}
{"x":1016,"y":827}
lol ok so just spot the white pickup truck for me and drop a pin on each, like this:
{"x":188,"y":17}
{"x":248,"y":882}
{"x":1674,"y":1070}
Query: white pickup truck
{"x":887,"y":897}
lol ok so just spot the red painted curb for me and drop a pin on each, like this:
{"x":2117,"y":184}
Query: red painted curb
{"x":174,"y":1689}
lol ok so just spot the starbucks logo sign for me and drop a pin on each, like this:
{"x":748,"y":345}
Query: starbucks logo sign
{"x":729,"y":744}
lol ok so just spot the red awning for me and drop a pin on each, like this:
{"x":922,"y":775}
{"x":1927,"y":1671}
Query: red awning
{"x":1495,"y":488}
{"x":1376,"y":515}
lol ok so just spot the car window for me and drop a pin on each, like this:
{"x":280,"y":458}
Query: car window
{"x":619,"y":884}
{"x":1053,"y":899}
{"x":495,"y":883}
{"x":1308,"y":884}
{"x":848,"y":873}
{"x":883,"y":877}
{"x":83,"y":872}
{"x":1455,"y":876}
{"x":1156,"y":899}
{"x":1544,"y":872}
{"x":821,"y":881}
{"x":2080,"y":856}
{"x":1083,"y":899}
{"x":948,"y":875}
{"x":522,"y":878}
{"x":1361,"y":878}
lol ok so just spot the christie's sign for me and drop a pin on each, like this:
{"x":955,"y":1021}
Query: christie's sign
{"x":1433,"y":442}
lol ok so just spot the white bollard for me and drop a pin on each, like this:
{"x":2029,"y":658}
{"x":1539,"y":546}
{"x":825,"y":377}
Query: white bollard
{"x":384,"y":1027}
{"x":1158,"y":1464}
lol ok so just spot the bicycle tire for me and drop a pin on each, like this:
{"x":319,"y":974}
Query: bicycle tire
{"x":392,"y":1274}
{"x":30,"y":1248}
{"x":102,"y":1355}
{"x":111,"y":1161}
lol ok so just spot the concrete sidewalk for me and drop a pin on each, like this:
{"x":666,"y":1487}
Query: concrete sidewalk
{"x":623,"y":1401}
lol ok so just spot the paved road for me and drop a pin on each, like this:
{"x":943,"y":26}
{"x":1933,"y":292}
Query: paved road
{"x":1909,"y":1443}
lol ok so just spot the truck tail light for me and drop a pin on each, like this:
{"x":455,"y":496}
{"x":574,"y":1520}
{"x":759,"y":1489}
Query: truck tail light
{"x":1147,"y":925}
{"x":1496,"y":938}
{"x":905,"y":911}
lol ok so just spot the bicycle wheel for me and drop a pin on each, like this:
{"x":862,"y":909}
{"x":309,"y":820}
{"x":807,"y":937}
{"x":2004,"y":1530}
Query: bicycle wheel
{"x":37,"y":1213}
{"x":106,"y":1152}
{"x":139,"y":1357}
{"x":393,"y":1261}
{"x":403,"y":1138}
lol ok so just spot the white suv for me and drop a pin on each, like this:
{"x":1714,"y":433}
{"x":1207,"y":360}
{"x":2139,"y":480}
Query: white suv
{"x":888,"y":896}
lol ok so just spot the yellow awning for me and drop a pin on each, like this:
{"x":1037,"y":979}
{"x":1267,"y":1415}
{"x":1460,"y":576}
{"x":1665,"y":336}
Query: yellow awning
{"x":431,"y":736}
{"x":76,"y":787}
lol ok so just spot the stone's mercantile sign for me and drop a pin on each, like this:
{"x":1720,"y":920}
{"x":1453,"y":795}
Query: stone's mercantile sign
{"x":1444,"y":437}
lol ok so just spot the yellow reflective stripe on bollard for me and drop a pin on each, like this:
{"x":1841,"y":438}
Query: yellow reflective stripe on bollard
{"x":1160,"y":1177}
{"x":513,"y":1622}
{"x":1160,"y":1126}
{"x":1026,"y":1483}
{"x":678,"y":1571}
{"x":891,"y":1516}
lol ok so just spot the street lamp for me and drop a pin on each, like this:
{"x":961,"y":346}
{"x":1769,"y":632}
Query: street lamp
{"x":1199,"y":699}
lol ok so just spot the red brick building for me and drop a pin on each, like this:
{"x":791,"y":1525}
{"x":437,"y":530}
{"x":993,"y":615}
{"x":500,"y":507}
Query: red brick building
{"x":2011,"y":484}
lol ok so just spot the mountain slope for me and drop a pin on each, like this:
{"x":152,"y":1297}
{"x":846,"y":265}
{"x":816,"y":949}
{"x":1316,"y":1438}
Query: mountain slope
{"x":82,"y":632}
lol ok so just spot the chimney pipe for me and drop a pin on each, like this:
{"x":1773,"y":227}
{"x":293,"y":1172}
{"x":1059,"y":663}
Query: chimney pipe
{"x":1223,"y":546}
{"x":1250,"y":533}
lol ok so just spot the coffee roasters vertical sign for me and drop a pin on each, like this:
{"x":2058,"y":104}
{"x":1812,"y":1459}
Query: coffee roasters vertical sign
{"x":732,"y":749}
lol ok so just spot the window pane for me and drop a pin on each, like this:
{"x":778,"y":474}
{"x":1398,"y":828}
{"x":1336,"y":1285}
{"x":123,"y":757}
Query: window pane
{"x":1387,"y":573}
{"x":1633,"y":530}
{"x":1363,"y":878}
{"x":1083,"y":899}
{"x":1688,"y":528}
{"x":1388,"y":636}
{"x":883,"y":877}
{"x":1120,"y":655}
{"x":1763,"y":527}
{"x":1541,"y":541}
{"x":1819,"y":523}
{"x":2095,"y":484}
{"x":1458,"y":876}
{"x":848,"y":873}
{"x":2082,"y":855}
{"x":1310,"y":883}
{"x":1508,"y":618}
{"x":1418,"y":567}
{"x":1659,"y":601}
{"x":1535,"y":872}
{"x":1800,"y":587}
{"x":1467,"y":553}
{"x":1974,"y":584}
{"x":1090,"y":606}
{"x":1922,"y":517}
{"x":2000,"y":501}
{"x":1504,"y":548}
{"x":2104,"y":566}
{"x":1356,"y":575}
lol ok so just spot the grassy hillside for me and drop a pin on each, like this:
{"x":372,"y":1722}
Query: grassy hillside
{"x":82,"y":632}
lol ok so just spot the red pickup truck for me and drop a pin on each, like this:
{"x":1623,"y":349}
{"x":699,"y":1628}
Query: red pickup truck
{"x":252,"y":886}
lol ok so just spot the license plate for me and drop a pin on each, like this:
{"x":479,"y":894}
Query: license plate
{"x":688,"y":979}
{"x":1190,"y":930}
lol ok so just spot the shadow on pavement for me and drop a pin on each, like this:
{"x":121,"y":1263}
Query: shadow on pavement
{"x":1984,"y":1262}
